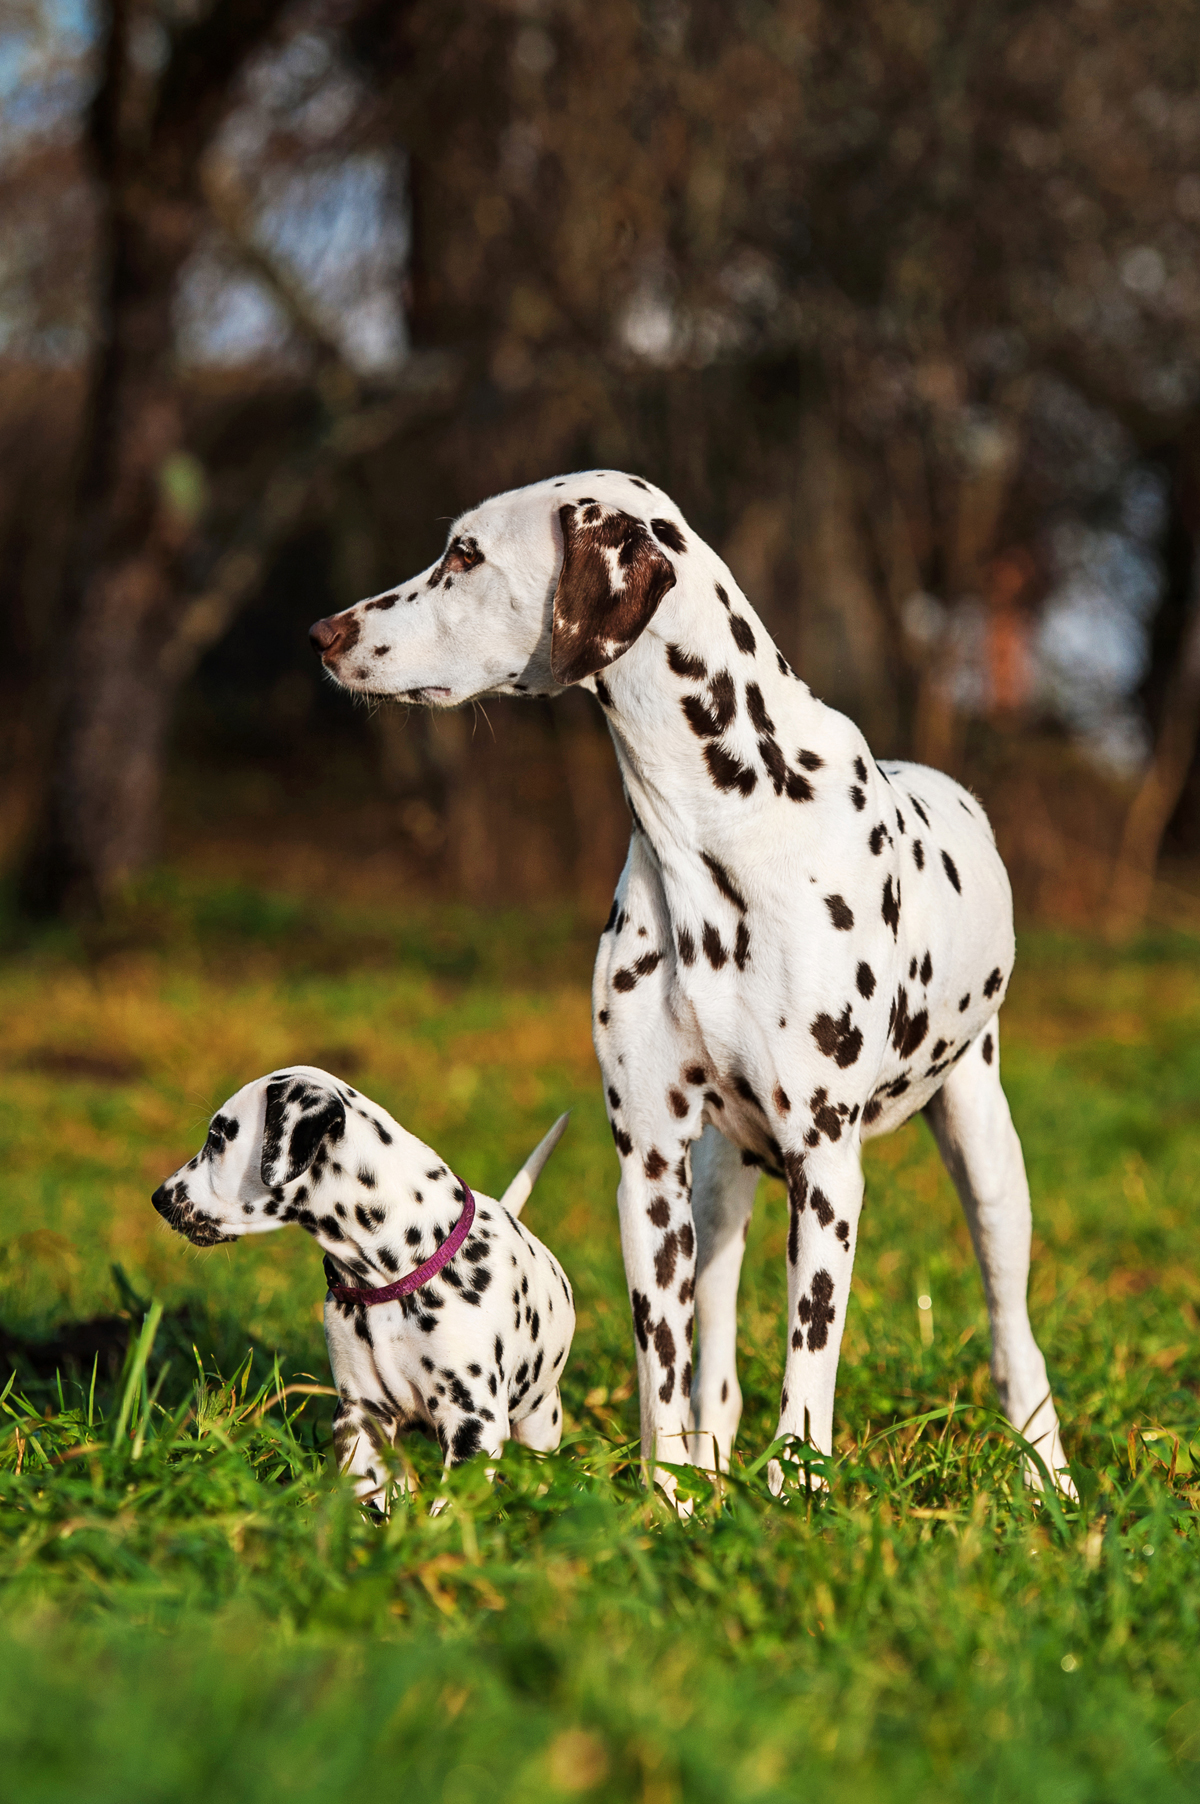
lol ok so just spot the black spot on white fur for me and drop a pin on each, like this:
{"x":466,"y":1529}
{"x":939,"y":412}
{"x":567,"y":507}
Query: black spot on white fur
{"x":840,"y":913}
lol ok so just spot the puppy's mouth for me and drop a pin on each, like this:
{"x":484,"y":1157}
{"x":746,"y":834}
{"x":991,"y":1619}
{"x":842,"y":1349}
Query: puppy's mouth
{"x":177,"y":1210}
{"x":429,"y":694}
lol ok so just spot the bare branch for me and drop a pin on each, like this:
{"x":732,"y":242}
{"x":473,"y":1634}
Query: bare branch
{"x":104,"y":115}
{"x":430,"y":383}
{"x":232,"y":208}
{"x":205,"y":57}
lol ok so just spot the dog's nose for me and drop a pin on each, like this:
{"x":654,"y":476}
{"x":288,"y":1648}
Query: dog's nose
{"x":326,"y":636}
{"x":162,"y":1199}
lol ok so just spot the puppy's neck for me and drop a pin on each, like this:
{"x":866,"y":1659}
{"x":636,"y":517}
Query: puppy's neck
{"x":379,"y":1211}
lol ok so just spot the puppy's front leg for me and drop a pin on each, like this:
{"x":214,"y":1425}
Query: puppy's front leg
{"x":461,"y":1435}
{"x":542,"y":1428}
{"x":369,"y":1416}
{"x":825,"y":1189}
{"x":361,"y":1430}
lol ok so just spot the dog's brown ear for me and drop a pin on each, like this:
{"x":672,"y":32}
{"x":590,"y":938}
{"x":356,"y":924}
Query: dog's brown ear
{"x":613,"y":577}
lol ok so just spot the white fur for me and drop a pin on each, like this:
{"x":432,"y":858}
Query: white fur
{"x":832,"y":1017}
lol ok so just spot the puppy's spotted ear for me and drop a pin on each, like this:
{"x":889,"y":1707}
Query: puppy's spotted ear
{"x":614,"y":574}
{"x":300,"y":1116}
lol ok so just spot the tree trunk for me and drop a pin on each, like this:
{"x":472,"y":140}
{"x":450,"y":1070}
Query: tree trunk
{"x":100,"y":812}
{"x":136,"y":506}
{"x":842,"y":652}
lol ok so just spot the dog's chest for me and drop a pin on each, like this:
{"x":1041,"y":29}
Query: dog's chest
{"x":831,"y":963}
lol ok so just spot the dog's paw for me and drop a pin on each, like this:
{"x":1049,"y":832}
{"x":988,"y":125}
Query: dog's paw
{"x":1042,"y":1432}
{"x":667,"y":1485}
{"x":1064,"y":1484}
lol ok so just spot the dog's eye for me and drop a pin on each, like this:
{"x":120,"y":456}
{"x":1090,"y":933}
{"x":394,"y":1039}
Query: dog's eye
{"x":466,"y":554}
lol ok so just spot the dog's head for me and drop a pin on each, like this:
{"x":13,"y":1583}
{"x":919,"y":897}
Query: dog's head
{"x":536,"y":589}
{"x":246,"y":1178}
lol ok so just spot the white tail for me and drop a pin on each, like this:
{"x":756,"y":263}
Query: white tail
{"x":517,"y":1194}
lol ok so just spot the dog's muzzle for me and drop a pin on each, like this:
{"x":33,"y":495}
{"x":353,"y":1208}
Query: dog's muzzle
{"x":333,"y":636}
{"x":177,"y":1210}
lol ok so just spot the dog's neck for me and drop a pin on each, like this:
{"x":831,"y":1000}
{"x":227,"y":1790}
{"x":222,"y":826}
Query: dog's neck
{"x":708,"y":719}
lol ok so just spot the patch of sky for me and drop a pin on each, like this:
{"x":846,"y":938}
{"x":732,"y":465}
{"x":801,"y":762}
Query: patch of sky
{"x":340,"y":227}
{"x":1093,"y":643}
{"x":46,"y":71}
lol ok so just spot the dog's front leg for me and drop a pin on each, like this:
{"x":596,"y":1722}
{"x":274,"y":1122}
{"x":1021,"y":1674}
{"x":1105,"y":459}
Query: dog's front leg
{"x":655,"y":1077}
{"x":825,"y":1189}
{"x":658,"y":1241}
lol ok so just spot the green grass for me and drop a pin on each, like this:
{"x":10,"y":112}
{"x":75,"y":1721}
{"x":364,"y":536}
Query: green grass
{"x":191,"y":1607}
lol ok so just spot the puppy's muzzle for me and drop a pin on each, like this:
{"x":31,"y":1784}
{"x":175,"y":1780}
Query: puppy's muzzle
{"x":177,"y":1210}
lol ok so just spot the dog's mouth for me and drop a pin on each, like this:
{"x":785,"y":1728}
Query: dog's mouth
{"x":202,"y":1231}
{"x":430,"y":693}
{"x":177,"y":1210}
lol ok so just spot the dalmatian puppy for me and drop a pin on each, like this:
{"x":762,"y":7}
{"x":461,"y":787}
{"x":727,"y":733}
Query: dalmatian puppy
{"x":444,"y":1314}
{"x":806,"y":946}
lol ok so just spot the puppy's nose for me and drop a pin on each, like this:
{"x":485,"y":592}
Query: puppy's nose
{"x":162,"y":1199}
{"x":326,"y":636}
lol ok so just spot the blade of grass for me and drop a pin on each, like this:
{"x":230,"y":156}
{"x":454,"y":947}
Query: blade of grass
{"x":137,"y":1366}
{"x":140,"y":1437}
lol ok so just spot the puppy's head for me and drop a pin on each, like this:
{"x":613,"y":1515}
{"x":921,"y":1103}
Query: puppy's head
{"x":536,"y":589}
{"x":246,"y":1178}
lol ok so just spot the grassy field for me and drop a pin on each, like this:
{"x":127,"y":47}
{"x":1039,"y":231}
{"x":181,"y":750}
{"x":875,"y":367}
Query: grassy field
{"x":192,"y":1608}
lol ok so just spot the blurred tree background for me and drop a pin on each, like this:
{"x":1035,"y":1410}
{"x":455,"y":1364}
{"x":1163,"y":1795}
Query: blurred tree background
{"x":901,"y":302}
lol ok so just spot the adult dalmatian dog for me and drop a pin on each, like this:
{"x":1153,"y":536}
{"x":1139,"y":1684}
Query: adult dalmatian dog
{"x":444,"y":1315}
{"x":806,"y":946}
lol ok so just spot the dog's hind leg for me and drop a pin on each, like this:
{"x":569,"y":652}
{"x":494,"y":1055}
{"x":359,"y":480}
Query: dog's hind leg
{"x":722,"y":1201}
{"x":974,"y":1131}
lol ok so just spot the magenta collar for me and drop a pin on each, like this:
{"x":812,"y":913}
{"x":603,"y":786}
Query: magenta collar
{"x":404,"y":1287}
